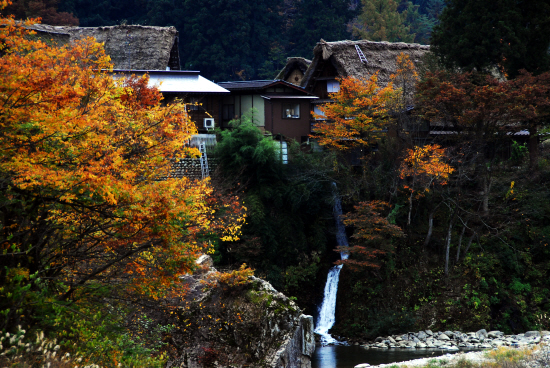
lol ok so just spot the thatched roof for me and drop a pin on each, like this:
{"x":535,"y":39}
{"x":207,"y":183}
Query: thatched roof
{"x":380,"y":57}
{"x":130,"y":47}
{"x":293,"y":63}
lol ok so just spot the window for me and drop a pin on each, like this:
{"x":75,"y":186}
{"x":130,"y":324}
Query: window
{"x":333,"y":86}
{"x":291,"y":111}
{"x":228,"y":112}
{"x":194,"y":104}
{"x":317,"y":111}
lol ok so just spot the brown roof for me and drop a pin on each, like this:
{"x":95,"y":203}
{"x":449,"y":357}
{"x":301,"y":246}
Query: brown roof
{"x":293,"y":63}
{"x":130,"y":46}
{"x":380,"y":57}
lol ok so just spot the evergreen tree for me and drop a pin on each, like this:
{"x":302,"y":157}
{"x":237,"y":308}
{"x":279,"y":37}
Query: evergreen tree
{"x":227,"y":39}
{"x":380,"y":20}
{"x":484,"y":34}
{"x":106,"y":12}
{"x":316,"y":19}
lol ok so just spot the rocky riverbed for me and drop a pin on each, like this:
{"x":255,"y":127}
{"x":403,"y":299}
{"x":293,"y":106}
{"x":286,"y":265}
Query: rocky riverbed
{"x":532,"y":358}
{"x":456,"y":340}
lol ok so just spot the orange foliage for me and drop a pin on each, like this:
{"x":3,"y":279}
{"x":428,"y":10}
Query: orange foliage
{"x":372,"y":235}
{"x":230,"y":279}
{"x":426,"y":166}
{"x":81,"y":158}
{"x":358,"y":109}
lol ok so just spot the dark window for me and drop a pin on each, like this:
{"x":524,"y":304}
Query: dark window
{"x":291,"y":111}
{"x":228,"y":112}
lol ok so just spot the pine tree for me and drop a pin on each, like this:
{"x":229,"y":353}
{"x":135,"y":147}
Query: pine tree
{"x":316,"y":19}
{"x":381,"y":21}
{"x":483,"y":34}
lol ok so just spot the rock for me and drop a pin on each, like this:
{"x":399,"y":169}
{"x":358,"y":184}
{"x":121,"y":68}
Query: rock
{"x":443,"y":337}
{"x":481,"y":334}
{"x":392,"y":340}
{"x":398,"y":338}
{"x":364,"y":365}
{"x":531,"y":334}
{"x":274,"y":330}
{"x":429,"y":332}
{"x":422,"y":335}
{"x":544,"y":333}
{"x":421,"y":345}
{"x":379,"y":339}
{"x":495,"y":334}
{"x":449,"y":333}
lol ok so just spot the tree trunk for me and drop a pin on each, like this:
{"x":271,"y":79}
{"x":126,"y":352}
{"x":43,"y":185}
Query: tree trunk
{"x":430,"y":228}
{"x":487,"y":183}
{"x":533,"y":146}
{"x":448,"y":242}
{"x":460,"y":242}
{"x":469,"y":243}
{"x":410,"y":208}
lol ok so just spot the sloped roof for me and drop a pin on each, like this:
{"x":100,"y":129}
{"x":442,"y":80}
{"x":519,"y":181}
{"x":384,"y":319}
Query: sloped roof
{"x":130,"y":46}
{"x":381,"y":57}
{"x":293,"y":63}
{"x":176,"y":81}
{"x":259,"y":85}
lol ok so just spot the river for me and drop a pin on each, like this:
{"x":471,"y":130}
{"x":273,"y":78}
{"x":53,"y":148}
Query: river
{"x":340,"y":356}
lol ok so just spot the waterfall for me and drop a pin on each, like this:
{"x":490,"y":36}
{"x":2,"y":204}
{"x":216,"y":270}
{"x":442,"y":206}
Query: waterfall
{"x":326,"y":319}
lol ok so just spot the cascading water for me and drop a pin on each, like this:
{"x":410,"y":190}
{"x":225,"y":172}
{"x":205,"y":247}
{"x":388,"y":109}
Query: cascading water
{"x":326,"y":319}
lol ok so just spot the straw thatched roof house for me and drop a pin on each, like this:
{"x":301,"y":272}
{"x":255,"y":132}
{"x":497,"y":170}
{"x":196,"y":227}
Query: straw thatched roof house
{"x":360,"y":59}
{"x":294,"y":70}
{"x":130,"y":46}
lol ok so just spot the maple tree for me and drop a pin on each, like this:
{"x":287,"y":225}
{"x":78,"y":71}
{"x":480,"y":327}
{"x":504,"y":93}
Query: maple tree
{"x":426,"y":168}
{"x":372,"y":235}
{"x":358,"y":109}
{"x":87,"y":197}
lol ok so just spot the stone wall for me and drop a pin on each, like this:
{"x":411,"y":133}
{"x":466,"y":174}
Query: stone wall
{"x":190,"y":168}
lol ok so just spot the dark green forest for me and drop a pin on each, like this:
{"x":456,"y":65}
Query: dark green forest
{"x":237,"y":39}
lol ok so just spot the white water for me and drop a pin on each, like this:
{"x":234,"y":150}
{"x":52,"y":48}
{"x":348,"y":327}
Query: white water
{"x":325,"y":321}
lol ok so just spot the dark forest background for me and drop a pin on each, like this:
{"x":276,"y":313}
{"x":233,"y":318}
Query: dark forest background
{"x":239,"y":39}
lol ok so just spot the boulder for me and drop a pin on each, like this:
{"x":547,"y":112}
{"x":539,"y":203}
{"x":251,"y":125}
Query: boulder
{"x":242,"y":324}
{"x":422,"y":335}
{"x":482,"y":334}
{"x":364,"y":365}
{"x":495,"y":334}
{"x":429,"y":332}
{"x":532,"y":334}
{"x":443,"y":337}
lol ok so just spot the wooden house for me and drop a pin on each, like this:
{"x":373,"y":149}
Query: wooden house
{"x":137,"y":50}
{"x":131,"y":47}
{"x":360,"y":59}
{"x":294,"y":70}
{"x":203,"y":96}
{"x":282,"y":108}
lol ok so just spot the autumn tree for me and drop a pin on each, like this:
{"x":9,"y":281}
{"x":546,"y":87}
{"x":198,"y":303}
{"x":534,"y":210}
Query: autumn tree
{"x":87,"y":200}
{"x":44,"y":9}
{"x":425,"y":167}
{"x":357,"y":110}
{"x":372,"y":235}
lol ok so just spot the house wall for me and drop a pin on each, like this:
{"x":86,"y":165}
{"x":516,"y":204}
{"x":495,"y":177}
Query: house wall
{"x":207,"y":106}
{"x":242,"y":105}
{"x":297,"y":129}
